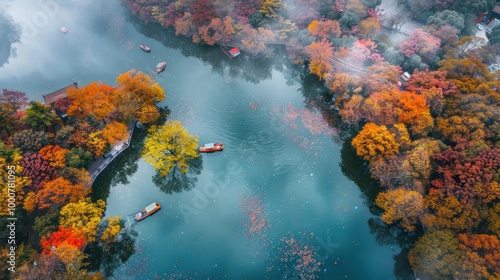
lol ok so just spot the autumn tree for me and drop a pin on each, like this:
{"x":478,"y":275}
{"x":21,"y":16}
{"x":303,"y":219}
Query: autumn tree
{"x":436,"y":255}
{"x":415,"y":113}
{"x":97,"y":145}
{"x":169,"y":146}
{"x":203,"y":11}
{"x":254,"y":40}
{"x":379,"y":77}
{"x":446,"y":212}
{"x":482,"y":253}
{"x":30,"y":140}
{"x":184,"y":25}
{"x":271,"y":8}
{"x":217,"y":31}
{"x":12,"y":100}
{"x":457,"y":127}
{"x":421,"y":43}
{"x":37,"y":169}
{"x":320,"y":54}
{"x":369,"y":28}
{"x":115,"y":132}
{"x":59,"y":192}
{"x":68,"y":235}
{"x":324,"y":29}
{"x":375,"y":142}
{"x":55,"y":155}
{"x":83,"y":215}
{"x":402,"y":206}
{"x":134,"y":91}
{"x":352,"y":110}
{"x":93,"y":100}
{"x":422,"y":81}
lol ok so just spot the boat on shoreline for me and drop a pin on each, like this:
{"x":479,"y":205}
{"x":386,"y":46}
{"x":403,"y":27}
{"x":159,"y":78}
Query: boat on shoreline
{"x":160,"y":67}
{"x":145,"y":48}
{"x":211,"y":147}
{"x":148,"y":211}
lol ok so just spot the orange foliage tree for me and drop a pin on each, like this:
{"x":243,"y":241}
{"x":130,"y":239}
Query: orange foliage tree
{"x":482,"y":253}
{"x":115,"y":132}
{"x":60,"y":191}
{"x":375,"y":142}
{"x":91,"y":100}
{"x":135,"y":90}
{"x":217,"y":31}
{"x":324,"y":28}
{"x":415,"y":113}
{"x":320,"y":54}
{"x":55,"y":155}
{"x":402,"y":206}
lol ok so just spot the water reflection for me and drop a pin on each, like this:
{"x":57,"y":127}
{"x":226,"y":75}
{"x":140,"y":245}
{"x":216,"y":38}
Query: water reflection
{"x":176,"y":181}
{"x":108,"y":256}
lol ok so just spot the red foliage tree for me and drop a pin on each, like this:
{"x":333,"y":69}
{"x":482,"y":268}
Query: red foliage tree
{"x":68,"y":235}
{"x":422,"y":81}
{"x":37,"y":169}
{"x":203,"y":11}
{"x":468,"y":179}
{"x":13,"y":100}
{"x":421,"y":43}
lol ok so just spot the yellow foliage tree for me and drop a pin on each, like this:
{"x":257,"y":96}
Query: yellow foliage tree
{"x":375,"y":142}
{"x":96,"y":143}
{"x":12,"y":164}
{"x":148,"y":113}
{"x":169,"y":146}
{"x":84,"y":214}
{"x":400,"y":205}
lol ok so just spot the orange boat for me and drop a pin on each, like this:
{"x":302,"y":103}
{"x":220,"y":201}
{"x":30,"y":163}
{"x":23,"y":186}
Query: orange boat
{"x":148,"y":211}
{"x":211,"y":147}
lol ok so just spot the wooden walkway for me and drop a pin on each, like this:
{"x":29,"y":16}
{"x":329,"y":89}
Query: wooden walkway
{"x":100,"y":164}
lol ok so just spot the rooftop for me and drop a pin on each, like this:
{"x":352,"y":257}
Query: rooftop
{"x":51,"y":98}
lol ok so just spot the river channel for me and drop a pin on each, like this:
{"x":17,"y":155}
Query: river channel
{"x":283,"y":200}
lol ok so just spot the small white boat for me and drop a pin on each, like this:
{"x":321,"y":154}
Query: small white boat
{"x":64,"y":29}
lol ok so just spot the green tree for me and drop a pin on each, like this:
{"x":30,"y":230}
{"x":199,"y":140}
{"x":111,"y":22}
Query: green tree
{"x":39,"y":116}
{"x":29,"y":140}
{"x":78,"y":157}
{"x":170,"y":146}
{"x":447,"y":17}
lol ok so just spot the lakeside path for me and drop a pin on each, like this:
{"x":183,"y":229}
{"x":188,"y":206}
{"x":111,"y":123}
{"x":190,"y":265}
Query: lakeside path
{"x":102,"y":162}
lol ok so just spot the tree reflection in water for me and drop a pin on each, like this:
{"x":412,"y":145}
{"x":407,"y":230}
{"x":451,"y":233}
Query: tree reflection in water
{"x":176,"y":181}
{"x":108,"y":256}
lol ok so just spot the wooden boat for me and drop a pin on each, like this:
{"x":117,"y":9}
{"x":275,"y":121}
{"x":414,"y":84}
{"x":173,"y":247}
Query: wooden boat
{"x":148,"y":211}
{"x":231,"y":52}
{"x":145,"y":48}
{"x":160,"y":67}
{"x":211,"y":147}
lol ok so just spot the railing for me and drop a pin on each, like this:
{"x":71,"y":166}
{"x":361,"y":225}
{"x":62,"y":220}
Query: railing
{"x":115,"y":151}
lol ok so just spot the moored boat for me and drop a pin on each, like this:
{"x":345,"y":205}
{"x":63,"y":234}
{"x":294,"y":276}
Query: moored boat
{"x":145,"y":48}
{"x":211,"y":147}
{"x":148,"y":211}
{"x":160,"y":67}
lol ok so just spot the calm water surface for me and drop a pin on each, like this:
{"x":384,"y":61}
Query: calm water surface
{"x":281,"y":169}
